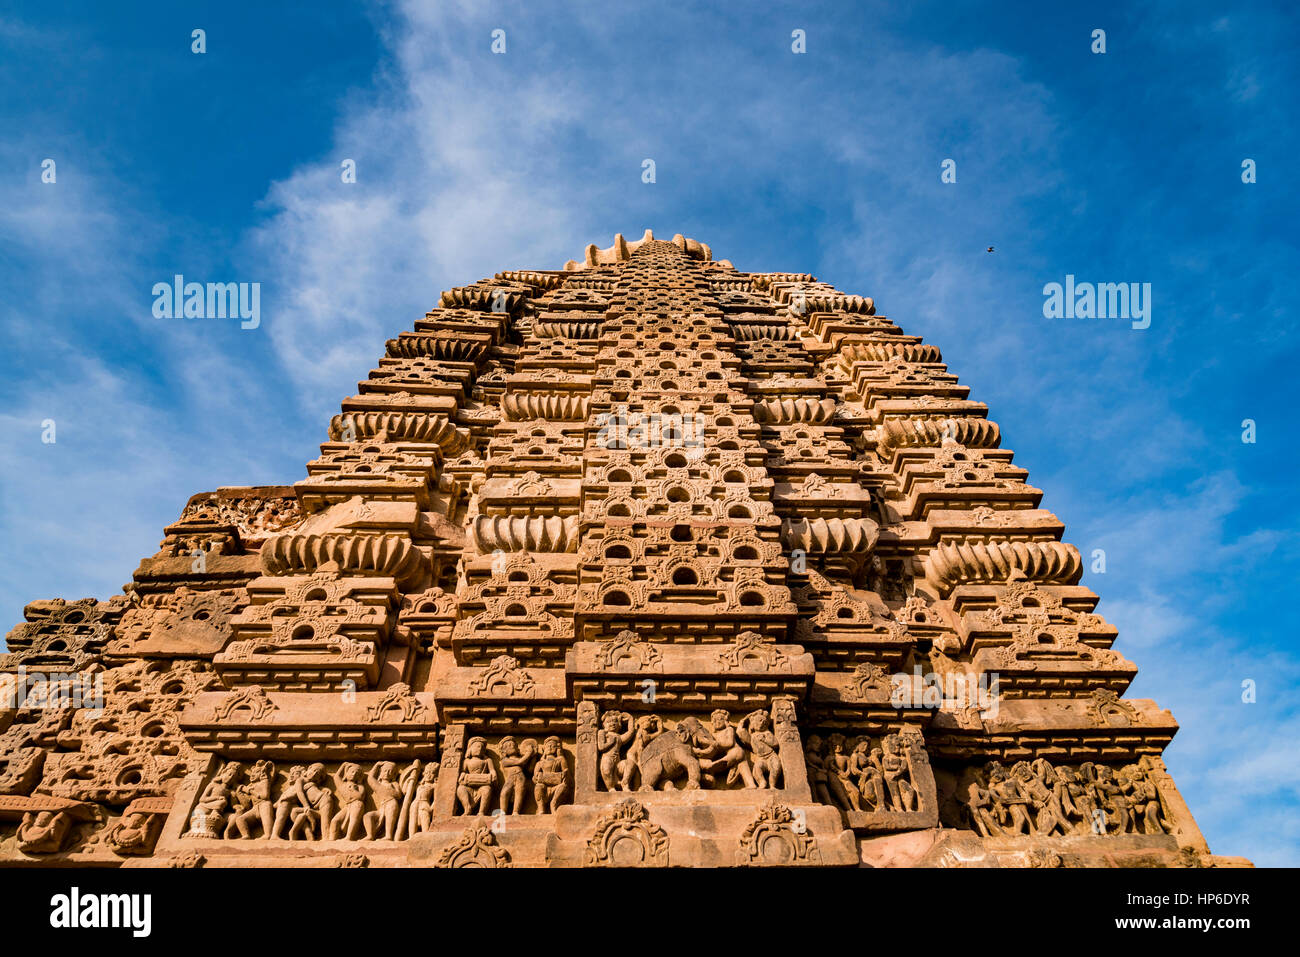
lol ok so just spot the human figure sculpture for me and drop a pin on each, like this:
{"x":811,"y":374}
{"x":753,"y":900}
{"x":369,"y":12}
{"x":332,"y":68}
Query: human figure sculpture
{"x":1008,"y":802}
{"x":421,"y":819}
{"x":1146,"y":801}
{"x":865,"y":765}
{"x":291,"y":796}
{"x":1116,"y":802}
{"x":315,"y":819}
{"x":387,"y":791}
{"x":898,"y":774}
{"x":756,"y":734}
{"x":478,"y":778}
{"x":1083,"y":795}
{"x":253,"y":802}
{"x":1049,"y":816}
{"x":610,"y":740}
{"x":979,"y":802}
{"x":132,"y":834}
{"x":817,"y":777}
{"x":551,"y":777}
{"x":733,"y":764}
{"x":647,"y":729}
{"x":43,"y":832}
{"x":347,"y":821}
{"x":514,"y":771}
{"x":210,"y":810}
{"x":839,"y":776}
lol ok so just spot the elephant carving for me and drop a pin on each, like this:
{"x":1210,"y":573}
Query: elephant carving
{"x":665,"y":755}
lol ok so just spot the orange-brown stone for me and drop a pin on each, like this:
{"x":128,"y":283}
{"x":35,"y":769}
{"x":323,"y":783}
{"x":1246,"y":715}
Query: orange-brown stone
{"x":643,"y":562}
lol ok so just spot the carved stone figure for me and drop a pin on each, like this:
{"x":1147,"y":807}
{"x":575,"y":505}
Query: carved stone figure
{"x":478,"y":779}
{"x":350,"y":791}
{"x":840,"y":775}
{"x":866,"y":764}
{"x":422,"y":805}
{"x":615,"y":732}
{"x":515,"y":762}
{"x":551,"y":777}
{"x":1040,"y":799}
{"x":386,"y":791}
{"x":732,"y":762}
{"x":670,"y":754}
{"x":253,"y":802}
{"x":902,"y":795}
{"x":43,"y":832}
{"x":210,"y":812}
{"x":755,"y":733}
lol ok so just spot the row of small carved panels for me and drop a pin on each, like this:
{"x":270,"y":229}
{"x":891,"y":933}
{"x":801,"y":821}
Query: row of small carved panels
{"x":619,"y":595}
{"x":983,"y":505}
{"x":651,"y":460}
{"x":392,"y":722}
{"x":535,"y":636}
{"x":678,"y":502}
{"x":631,"y":548}
{"x":1037,"y":682}
{"x":321,"y":491}
{"x":1099,"y":727}
{"x":879,"y":385}
{"x":947,"y":529}
{"x":538,"y":649}
{"x":694,"y":673}
{"x":1069,"y":745}
{"x":464,"y":321}
{"x":746,"y":483}
{"x":681,"y":693}
{"x":991,"y":610}
{"x":305,"y":672}
{"x":1069,"y":719}
{"x":695,"y":579}
{"x":593,"y":625}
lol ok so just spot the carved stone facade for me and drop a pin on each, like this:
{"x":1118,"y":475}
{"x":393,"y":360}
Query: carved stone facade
{"x":644,"y":562}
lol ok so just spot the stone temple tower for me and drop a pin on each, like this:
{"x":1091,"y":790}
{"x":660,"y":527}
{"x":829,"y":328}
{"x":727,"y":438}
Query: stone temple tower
{"x":643,"y":562}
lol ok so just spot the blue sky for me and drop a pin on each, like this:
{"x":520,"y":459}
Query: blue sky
{"x":1120,"y":167}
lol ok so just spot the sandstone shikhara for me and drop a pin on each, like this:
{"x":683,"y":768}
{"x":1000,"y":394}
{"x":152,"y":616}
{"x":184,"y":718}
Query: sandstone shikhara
{"x":643,"y":562}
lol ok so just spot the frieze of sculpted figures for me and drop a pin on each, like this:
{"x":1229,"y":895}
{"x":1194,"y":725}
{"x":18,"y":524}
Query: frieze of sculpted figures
{"x":385,"y":801}
{"x":1042,"y":799}
{"x":647,"y":752}
{"x":859,"y":774}
{"x":502,"y":777}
